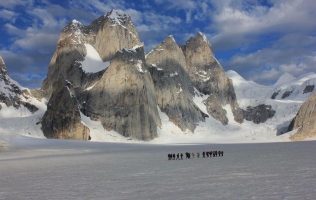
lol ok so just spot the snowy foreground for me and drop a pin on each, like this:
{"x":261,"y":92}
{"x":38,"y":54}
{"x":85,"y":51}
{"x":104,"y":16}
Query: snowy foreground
{"x":58,"y":169}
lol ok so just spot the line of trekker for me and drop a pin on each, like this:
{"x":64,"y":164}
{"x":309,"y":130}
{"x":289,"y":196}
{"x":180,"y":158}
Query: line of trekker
{"x":205,"y":154}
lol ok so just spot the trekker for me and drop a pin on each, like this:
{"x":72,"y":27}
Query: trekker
{"x":174,"y":156}
{"x":197,"y":154}
{"x":203,"y":154}
{"x":181,"y":156}
{"x":178,"y":157}
{"x":192,"y":155}
{"x":187,"y":155}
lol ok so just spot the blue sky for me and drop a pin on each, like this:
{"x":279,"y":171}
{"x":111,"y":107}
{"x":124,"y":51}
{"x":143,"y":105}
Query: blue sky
{"x":260,"y":39}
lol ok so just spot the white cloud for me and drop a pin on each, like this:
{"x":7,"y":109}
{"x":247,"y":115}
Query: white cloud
{"x":15,"y":3}
{"x":236,"y":22}
{"x":8,"y":15}
{"x":12,"y":30}
{"x":35,"y":41}
{"x":46,"y":19}
{"x":198,"y":8}
{"x":266,"y":76}
{"x":15,"y":60}
{"x":269,"y":76}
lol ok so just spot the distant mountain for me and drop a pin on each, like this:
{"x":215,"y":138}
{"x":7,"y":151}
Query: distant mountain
{"x":285,"y":98}
{"x":285,"y":78}
{"x":297,"y":89}
{"x":100,"y":85}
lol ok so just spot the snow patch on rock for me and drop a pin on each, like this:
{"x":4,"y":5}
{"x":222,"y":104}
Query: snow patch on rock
{"x":92,"y":62}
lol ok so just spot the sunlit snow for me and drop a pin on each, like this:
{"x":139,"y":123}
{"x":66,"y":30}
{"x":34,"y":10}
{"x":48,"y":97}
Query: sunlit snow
{"x":40,"y":169}
{"x":92,"y":62}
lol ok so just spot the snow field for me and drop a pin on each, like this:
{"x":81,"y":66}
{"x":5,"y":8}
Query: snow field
{"x":59,"y":169}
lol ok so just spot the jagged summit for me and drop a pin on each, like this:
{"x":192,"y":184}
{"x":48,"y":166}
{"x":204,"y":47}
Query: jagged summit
{"x":202,"y":36}
{"x":169,"y":42}
{"x":170,"y":37}
{"x":104,"y":37}
{"x":118,"y":17}
{"x":74,"y":25}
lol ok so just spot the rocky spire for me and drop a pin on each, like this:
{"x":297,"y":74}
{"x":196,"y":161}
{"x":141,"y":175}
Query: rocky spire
{"x":111,"y":33}
{"x":107,"y":35}
{"x":174,"y":89}
{"x":62,"y":119}
{"x":124,"y":99}
{"x":209,"y":77}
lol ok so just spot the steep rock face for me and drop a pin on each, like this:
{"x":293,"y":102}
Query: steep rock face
{"x":209,"y":77}
{"x":11,"y":93}
{"x":258,"y":114}
{"x":124,"y":99}
{"x":107,"y":35}
{"x":174,"y":89}
{"x":112,"y":33}
{"x":62,"y":119}
{"x":305,"y":120}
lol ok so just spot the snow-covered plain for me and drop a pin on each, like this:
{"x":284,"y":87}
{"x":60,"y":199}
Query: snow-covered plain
{"x":32,"y":167}
{"x":38,"y":169}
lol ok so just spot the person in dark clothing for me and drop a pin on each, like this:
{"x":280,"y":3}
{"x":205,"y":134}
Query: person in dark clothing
{"x":207,"y":154}
{"x":174,"y":156}
{"x":197,"y":154}
{"x":169,"y":156}
{"x":187,"y":155}
{"x":178,"y":157}
{"x":181,"y":156}
{"x":203,"y":154}
{"x":210,"y":153}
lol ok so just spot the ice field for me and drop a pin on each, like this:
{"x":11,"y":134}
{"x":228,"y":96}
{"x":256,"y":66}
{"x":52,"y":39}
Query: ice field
{"x":38,"y":169}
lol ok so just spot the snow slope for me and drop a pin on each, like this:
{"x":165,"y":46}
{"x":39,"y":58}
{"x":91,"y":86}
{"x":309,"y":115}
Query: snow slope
{"x":285,"y":78}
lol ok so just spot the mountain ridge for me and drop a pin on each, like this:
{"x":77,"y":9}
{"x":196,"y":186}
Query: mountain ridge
{"x":175,"y":91}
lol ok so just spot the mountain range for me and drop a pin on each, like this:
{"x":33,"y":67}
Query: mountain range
{"x":102,"y":86}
